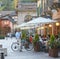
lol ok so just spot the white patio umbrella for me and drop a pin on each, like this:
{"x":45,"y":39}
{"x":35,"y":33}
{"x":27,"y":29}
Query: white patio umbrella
{"x":41,"y":20}
{"x":23,"y":28}
{"x":26,"y":25}
{"x":22,"y":25}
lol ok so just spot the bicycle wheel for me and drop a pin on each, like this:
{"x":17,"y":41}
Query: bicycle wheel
{"x":29,"y":47}
{"x":15,"y":46}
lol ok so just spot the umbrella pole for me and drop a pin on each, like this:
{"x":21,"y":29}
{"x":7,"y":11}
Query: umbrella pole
{"x":52,"y":29}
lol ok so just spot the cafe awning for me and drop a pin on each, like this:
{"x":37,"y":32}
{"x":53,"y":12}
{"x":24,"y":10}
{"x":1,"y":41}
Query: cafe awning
{"x":8,"y":18}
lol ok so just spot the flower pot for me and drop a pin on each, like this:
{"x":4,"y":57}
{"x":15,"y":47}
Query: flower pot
{"x":53,"y":52}
{"x":37,"y":47}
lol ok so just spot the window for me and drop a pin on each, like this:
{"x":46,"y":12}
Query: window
{"x":28,"y":0}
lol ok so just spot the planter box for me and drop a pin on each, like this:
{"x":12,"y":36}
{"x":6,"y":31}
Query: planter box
{"x":53,"y":52}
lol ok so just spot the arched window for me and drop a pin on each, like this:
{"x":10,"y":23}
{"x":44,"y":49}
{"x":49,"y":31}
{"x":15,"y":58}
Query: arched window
{"x":27,"y":18}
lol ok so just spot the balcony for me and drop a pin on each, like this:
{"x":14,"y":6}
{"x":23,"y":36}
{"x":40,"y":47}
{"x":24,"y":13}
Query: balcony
{"x":56,"y":5}
{"x":27,"y":6}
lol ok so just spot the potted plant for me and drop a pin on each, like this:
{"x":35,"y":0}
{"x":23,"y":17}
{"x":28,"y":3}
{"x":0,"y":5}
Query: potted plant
{"x":23,"y":35}
{"x":53,"y":46}
{"x":59,"y":41}
{"x":36,"y":43}
{"x":24,"y":39}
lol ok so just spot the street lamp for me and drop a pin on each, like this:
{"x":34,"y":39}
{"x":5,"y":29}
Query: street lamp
{"x":57,"y":24}
{"x":50,"y":25}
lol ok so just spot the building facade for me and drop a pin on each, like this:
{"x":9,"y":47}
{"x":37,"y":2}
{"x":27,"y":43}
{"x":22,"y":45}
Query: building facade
{"x":50,"y":9}
{"x":56,"y":15}
{"x":7,"y":21}
{"x":43,"y":6}
{"x":26,"y":10}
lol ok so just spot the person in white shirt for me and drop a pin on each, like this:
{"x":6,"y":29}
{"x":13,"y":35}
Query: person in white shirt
{"x":18,"y":37}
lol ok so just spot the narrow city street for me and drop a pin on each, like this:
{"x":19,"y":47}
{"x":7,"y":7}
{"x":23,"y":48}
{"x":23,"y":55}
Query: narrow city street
{"x":33,"y":21}
{"x":24,"y":54}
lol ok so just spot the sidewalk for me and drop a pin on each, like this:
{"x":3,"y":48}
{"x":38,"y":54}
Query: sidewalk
{"x":24,"y":54}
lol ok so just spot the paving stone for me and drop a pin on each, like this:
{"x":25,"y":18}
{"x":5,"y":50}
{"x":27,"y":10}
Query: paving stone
{"x":24,"y":54}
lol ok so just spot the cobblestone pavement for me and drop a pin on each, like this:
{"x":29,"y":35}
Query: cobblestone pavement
{"x":24,"y":54}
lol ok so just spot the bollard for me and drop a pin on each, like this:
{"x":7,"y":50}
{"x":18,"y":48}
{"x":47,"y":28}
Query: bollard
{"x":2,"y":55}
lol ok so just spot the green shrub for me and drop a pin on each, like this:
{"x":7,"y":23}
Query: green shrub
{"x":23,"y":34}
{"x":36,"y":39}
{"x":2,"y":37}
{"x":59,"y":35}
{"x":52,"y":43}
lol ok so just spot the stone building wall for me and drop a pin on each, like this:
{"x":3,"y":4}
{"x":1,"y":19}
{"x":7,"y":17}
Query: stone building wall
{"x":21,"y":16}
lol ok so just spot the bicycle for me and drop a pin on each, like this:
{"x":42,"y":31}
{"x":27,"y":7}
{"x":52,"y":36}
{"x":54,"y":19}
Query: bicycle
{"x":27,"y":46}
